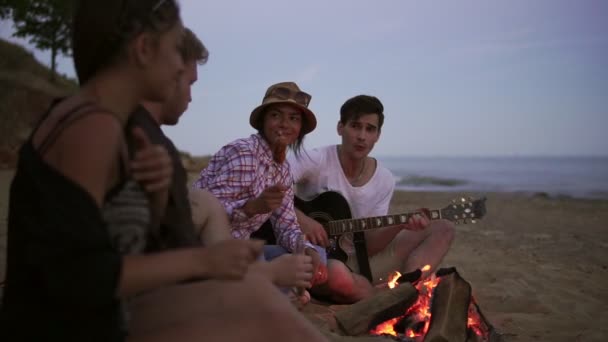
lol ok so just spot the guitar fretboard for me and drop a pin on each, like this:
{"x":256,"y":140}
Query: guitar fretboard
{"x":340,"y":227}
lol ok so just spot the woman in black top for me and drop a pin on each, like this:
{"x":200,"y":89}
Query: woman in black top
{"x":68,"y":273}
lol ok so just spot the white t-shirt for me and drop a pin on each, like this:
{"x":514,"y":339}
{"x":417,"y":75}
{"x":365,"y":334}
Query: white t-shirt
{"x":319,"y":170}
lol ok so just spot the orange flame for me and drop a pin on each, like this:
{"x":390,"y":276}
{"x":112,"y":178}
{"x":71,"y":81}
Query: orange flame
{"x":392,"y":282}
{"x":421,"y":309}
{"x":386,"y":327}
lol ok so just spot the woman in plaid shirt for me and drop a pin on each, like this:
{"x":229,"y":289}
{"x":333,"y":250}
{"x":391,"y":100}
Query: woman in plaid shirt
{"x":252,"y":180}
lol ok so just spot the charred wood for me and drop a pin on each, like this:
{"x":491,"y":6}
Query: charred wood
{"x":359,"y":318}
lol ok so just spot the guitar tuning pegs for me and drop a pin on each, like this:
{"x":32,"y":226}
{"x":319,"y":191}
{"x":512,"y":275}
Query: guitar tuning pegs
{"x":462,"y":199}
{"x":473,"y":221}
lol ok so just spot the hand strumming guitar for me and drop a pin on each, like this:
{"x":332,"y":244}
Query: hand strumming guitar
{"x":270,"y":199}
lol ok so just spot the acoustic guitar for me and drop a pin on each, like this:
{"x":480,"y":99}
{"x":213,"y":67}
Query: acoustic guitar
{"x":333,"y":212}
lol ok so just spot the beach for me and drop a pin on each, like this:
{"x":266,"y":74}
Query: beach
{"x":538,"y":265}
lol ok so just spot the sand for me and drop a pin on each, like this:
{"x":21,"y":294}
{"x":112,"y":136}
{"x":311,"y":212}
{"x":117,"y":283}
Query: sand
{"x":538,"y":266}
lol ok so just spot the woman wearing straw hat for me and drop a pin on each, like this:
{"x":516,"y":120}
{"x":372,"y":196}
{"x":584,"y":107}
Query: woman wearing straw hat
{"x":252,"y":180}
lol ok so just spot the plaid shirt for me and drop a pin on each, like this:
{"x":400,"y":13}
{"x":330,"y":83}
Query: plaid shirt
{"x":239,"y":172}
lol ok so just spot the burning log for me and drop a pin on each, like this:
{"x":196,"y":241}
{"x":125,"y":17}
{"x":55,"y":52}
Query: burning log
{"x":449,"y":310}
{"x":359,"y":318}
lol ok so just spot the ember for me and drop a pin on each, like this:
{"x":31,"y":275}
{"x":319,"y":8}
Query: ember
{"x":415,"y":323}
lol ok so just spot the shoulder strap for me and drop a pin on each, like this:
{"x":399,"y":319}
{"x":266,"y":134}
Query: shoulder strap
{"x":78,"y":112}
{"x":40,"y":120}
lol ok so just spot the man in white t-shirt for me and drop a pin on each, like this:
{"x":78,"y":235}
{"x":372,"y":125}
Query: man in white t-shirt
{"x":368,"y":187}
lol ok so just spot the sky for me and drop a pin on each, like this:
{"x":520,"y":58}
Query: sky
{"x":457,"y":78}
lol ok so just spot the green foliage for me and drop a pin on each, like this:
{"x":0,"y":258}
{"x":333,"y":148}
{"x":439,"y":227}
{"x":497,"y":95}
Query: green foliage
{"x":45,"y":22}
{"x":4,"y":9}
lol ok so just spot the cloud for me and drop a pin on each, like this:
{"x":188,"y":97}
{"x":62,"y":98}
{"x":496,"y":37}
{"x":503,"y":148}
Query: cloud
{"x":527,"y":39}
{"x":307,"y":74}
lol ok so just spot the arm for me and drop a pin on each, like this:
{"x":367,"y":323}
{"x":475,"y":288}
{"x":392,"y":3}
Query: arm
{"x":228,"y":259}
{"x":285,"y":223}
{"x":88,"y":152}
{"x":288,"y":234}
{"x":79,"y":265}
{"x":315,"y":232}
{"x":149,"y":271}
{"x":228,"y":177}
{"x":152,"y":167}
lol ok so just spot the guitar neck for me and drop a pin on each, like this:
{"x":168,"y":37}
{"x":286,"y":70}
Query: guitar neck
{"x":339,"y":227}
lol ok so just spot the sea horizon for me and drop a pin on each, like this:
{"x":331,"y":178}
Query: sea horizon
{"x":575,"y":176}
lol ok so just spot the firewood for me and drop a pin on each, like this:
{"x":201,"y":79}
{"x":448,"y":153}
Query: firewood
{"x":359,"y":318}
{"x":449,"y":310}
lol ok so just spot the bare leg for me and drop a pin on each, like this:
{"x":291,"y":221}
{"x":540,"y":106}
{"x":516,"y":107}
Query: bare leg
{"x":209,"y":217}
{"x":248,"y":310}
{"x":343,"y":286}
{"x":426,"y":247}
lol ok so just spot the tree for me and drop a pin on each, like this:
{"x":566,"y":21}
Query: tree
{"x":45,"y":22}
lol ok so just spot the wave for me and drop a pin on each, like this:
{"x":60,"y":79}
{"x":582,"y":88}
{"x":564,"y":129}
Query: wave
{"x":416,"y":180}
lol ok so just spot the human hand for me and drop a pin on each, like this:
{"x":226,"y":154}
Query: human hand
{"x":319,"y":270}
{"x":270,"y":199}
{"x":291,"y":270}
{"x":417,"y":222}
{"x":152,"y":166}
{"x":229,"y":259}
{"x":314,"y":231}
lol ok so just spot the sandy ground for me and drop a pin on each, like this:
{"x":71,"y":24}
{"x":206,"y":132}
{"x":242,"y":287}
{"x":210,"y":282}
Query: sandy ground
{"x":538,"y":266}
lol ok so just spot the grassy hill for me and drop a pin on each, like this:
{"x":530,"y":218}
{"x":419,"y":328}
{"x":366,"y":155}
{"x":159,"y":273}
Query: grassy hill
{"x":25,"y":93}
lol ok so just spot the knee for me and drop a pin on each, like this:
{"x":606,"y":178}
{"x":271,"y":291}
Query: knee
{"x":208,"y":212}
{"x":199,"y":205}
{"x":444,"y":230}
{"x":340,"y":281}
{"x":203,"y":199}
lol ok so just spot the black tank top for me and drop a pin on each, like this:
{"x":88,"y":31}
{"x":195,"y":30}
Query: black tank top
{"x":63,"y":264}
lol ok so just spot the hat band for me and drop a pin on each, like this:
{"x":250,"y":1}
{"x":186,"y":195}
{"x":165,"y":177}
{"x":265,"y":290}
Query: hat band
{"x":284,"y":93}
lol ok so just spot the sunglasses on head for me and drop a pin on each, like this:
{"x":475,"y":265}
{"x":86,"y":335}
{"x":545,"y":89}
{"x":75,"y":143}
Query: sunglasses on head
{"x":284,"y":93}
{"x":158,"y":4}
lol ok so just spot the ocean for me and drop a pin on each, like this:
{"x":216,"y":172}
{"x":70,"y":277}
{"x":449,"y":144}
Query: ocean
{"x":579,"y":177}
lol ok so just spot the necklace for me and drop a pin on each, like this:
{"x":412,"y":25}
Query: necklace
{"x":361,"y":169}
{"x":356,"y":180}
